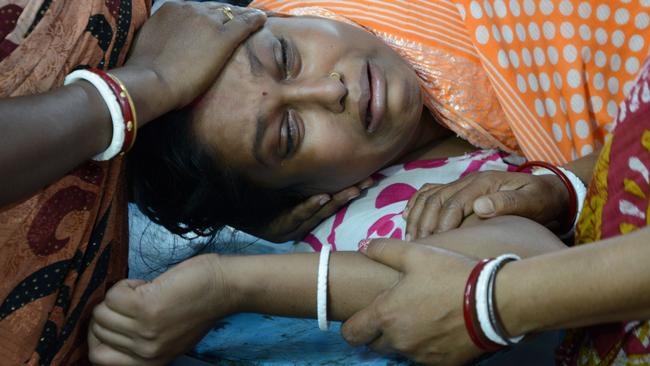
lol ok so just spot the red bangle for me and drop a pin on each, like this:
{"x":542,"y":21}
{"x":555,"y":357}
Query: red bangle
{"x":469,"y":311}
{"x":573,"y":196}
{"x":126,"y":106}
{"x":133,"y":126}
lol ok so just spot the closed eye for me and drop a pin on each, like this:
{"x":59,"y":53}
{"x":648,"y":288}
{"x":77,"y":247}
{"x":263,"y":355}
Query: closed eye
{"x":284,"y":58}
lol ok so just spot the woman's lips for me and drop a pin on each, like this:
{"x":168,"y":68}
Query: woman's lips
{"x":364,"y":98}
{"x":372,"y":101}
{"x":377,"y":103}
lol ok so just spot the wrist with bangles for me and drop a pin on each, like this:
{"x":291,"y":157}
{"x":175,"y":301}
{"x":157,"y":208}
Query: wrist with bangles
{"x":575,"y":188}
{"x":120,"y":106}
{"x":482,"y":322}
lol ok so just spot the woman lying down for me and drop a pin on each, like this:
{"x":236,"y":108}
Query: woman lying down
{"x":306,"y":106}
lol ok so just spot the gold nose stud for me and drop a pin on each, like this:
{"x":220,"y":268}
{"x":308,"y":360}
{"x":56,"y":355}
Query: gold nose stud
{"x":335,"y":75}
{"x":227,"y":11}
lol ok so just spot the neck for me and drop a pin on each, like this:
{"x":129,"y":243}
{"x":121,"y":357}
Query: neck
{"x":430,"y":131}
{"x":433,"y":140}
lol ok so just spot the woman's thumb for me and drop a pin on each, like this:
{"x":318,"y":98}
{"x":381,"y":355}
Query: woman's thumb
{"x":503,"y":203}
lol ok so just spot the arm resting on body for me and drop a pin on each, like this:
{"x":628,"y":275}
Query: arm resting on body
{"x":597,"y":283}
{"x":286,"y":284}
{"x":593,"y":284}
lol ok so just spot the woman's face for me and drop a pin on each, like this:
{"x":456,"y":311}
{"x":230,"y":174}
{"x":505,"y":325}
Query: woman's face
{"x":278,"y":116}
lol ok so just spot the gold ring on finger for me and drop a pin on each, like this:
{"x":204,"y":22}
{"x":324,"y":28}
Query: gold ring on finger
{"x":228,"y":12}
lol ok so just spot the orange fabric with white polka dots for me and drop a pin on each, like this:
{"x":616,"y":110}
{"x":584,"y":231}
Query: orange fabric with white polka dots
{"x":560,"y":68}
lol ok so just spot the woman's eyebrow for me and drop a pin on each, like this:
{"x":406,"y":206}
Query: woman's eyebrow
{"x":254,"y":62}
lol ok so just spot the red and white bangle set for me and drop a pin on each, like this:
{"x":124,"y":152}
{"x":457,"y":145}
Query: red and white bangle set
{"x":120,"y":105}
{"x":577,"y":191}
{"x":479,"y":306}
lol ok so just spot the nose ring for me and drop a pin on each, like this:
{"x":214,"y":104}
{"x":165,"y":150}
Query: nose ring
{"x":227,"y":11}
{"x":335,"y":75}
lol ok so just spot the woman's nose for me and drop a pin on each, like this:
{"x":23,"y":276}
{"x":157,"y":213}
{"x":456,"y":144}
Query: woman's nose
{"x":328,"y":91}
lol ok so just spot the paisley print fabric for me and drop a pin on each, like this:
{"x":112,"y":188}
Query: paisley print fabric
{"x":62,"y":248}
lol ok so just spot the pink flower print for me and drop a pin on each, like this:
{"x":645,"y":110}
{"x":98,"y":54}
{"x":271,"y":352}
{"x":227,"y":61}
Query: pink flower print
{"x":338,"y":220}
{"x":425,"y":164}
{"x":384,"y":227}
{"x":397,"y":234}
{"x":476,"y":165}
{"x":394,"y":193}
{"x":313,"y":242}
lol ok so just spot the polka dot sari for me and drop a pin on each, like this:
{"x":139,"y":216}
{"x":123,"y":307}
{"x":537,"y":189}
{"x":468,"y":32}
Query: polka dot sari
{"x":560,"y":68}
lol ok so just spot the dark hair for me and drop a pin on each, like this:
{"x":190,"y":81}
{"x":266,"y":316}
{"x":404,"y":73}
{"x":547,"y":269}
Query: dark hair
{"x":187,"y":187}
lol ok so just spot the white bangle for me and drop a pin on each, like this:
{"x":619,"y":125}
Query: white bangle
{"x":321,"y":295}
{"x":484,"y":293}
{"x":494,"y":318}
{"x":117,"y":141}
{"x":578,"y":186}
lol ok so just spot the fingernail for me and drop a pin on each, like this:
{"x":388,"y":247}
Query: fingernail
{"x":363,"y":245}
{"x":366,"y":185}
{"x":324,"y":200}
{"x":405,"y":213}
{"x":352,"y":197}
{"x":408,"y":237}
{"x":484,"y":207}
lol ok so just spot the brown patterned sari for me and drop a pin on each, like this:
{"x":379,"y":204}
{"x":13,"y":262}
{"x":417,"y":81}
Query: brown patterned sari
{"x":61,"y":249}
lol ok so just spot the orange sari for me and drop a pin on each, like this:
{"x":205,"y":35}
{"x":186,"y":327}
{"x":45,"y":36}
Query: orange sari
{"x":541,"y":77}
{"x":61,"y":249}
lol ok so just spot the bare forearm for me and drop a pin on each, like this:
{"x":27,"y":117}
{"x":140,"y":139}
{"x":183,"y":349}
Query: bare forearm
{"x":591,"y":284}
{"x":584,"y":166}
{"x":484,"y":238}
{"x":44,"y":136}
{"x":286,"y":284}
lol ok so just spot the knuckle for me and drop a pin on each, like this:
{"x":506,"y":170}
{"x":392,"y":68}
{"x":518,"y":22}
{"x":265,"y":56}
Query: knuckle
{"x":434,"y":202}
{"x":509,"y":200}
{"x":429,"y":201}
{"x":452,"y":204}
{"x":96,"y":327}
{"x":149,"y":350}
{"x":149,"y":333}
{"x":384,"y":314}
{"x":301,"y":215}
{"x":152,"y":314}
